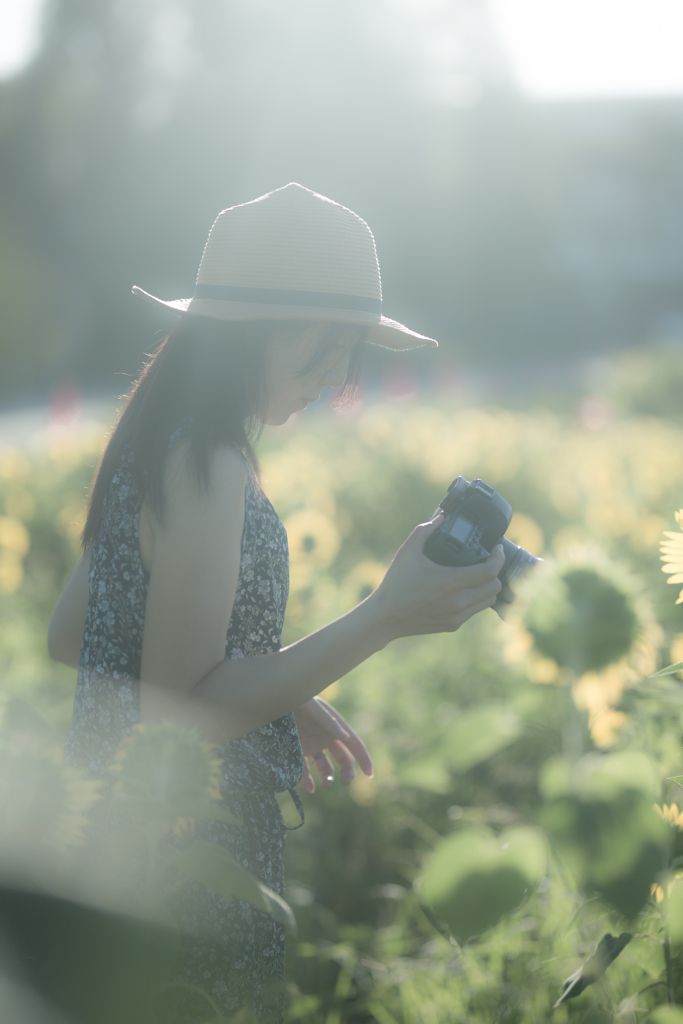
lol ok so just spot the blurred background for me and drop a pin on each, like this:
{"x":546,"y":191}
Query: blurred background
{"x":519,"y":162}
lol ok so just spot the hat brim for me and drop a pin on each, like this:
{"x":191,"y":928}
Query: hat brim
{"x":381,"y":330}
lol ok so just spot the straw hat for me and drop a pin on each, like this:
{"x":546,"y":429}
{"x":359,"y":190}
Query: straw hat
{"x":292,"y":255}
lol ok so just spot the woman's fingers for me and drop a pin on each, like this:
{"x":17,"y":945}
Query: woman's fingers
{"x":360,"y":752}
{"x":345,"y":760}
{"x":484,"y":572}
{"x":326,"y":734}
{"x":354,"y":744}
{"x":473,"y":611}
{"x":307,"y":779}
{"x":419,"y":596}
{"x":328,"y":719}
{"x":469,"y":575}
{"x":324,"y":767}
{"x":475,"y":595}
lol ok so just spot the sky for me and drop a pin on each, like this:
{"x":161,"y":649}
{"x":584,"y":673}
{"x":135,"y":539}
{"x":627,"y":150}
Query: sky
{"x":19,"y":34}
{"x":593,"y":48}
{"x":558,"y":49}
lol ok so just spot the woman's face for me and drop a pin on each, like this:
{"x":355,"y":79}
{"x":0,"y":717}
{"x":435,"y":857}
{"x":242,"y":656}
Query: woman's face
{"x":296,"y":375}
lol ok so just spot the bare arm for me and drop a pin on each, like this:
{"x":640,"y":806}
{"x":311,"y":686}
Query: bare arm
{"x":65,"y":632}
{"x":416,"y":596}
{"x":193,"y":580}
{"x":194,"y":569}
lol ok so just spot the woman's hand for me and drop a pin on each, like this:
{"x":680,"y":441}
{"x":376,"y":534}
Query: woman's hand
{"x":322,"y":728}
{"x":419,"y":596}
{"x":415,"y":596}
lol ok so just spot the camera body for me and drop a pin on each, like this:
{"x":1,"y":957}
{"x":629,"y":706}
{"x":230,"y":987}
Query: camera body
{"x":475,"y":520}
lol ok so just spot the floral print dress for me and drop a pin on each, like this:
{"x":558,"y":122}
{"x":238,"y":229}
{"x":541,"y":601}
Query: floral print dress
{"x":230,"y":950}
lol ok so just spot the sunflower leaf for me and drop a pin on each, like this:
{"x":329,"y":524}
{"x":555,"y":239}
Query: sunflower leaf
{"x":668,"y":671}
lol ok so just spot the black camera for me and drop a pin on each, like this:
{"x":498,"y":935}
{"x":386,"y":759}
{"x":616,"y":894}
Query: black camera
{"x":476,"y":518}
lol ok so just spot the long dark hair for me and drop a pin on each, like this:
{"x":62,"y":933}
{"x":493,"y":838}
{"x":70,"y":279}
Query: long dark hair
{"x":210,"y":372}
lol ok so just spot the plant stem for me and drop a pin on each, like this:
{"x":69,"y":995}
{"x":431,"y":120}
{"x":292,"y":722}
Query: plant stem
{"x":669,"y":970}
{"x":572,"y":729}
{"x":671,"y":997}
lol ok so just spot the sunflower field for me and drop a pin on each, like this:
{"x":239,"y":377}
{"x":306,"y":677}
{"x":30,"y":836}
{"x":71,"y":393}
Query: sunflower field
{"x":518,"y":855}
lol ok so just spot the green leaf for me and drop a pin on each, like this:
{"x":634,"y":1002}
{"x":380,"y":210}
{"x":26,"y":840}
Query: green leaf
{"x":217,"y":869}
{"x":668,"y":671}
{"x":676,"y":778}
{"x":599,"y":776}
{"x":607,"y":950}
{"x":675,"y":914}
{"x":426,"y":772}
{"x":666,"y":1015}
{"x":598,"y":814}
{"x":279,"y":908}
{"x":474,"y":877}
{"x":480,"y":733}
{"x":476,"y":735}
{"x":648,"y":953}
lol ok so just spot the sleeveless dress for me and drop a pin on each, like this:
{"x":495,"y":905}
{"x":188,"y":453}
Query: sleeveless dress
{"x":230,"y":950}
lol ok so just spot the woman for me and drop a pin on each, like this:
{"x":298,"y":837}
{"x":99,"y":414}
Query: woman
{"x":182,"y":549}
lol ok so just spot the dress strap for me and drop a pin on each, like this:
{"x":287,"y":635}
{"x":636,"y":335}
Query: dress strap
{"x":300,"y":808}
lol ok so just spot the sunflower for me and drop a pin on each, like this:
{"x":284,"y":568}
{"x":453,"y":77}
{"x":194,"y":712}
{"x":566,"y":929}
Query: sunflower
{"x":14,"y":467}
{"x":670,"y":813}
{"x":14,"y":544}
{"x":14,"y":536}
{"x":672,"y":554}
{"x":658,"y":892}
{"x":585,"y":624}
{"x":362,"y":580}
{"x":166,"y":773}
{"x":587,"y":615}
{"x":43,"y":802}
{"x":313,"y":544}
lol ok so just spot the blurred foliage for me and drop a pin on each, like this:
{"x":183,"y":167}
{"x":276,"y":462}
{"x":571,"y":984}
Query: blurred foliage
{"x":510,"y":830}
{"x":138,"y":121}
{"x":88,"y":899}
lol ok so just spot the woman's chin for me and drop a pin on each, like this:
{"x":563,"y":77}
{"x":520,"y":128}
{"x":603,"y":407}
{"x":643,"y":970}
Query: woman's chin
{"x":279,"y":419}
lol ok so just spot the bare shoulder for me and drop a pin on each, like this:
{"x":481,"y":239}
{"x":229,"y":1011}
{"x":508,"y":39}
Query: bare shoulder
{"x":227,"y":476}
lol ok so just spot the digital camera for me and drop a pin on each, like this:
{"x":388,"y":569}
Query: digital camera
{"x":475,"y":520}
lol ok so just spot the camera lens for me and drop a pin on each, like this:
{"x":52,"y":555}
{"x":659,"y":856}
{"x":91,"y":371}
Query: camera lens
{"x":517,"y":561}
